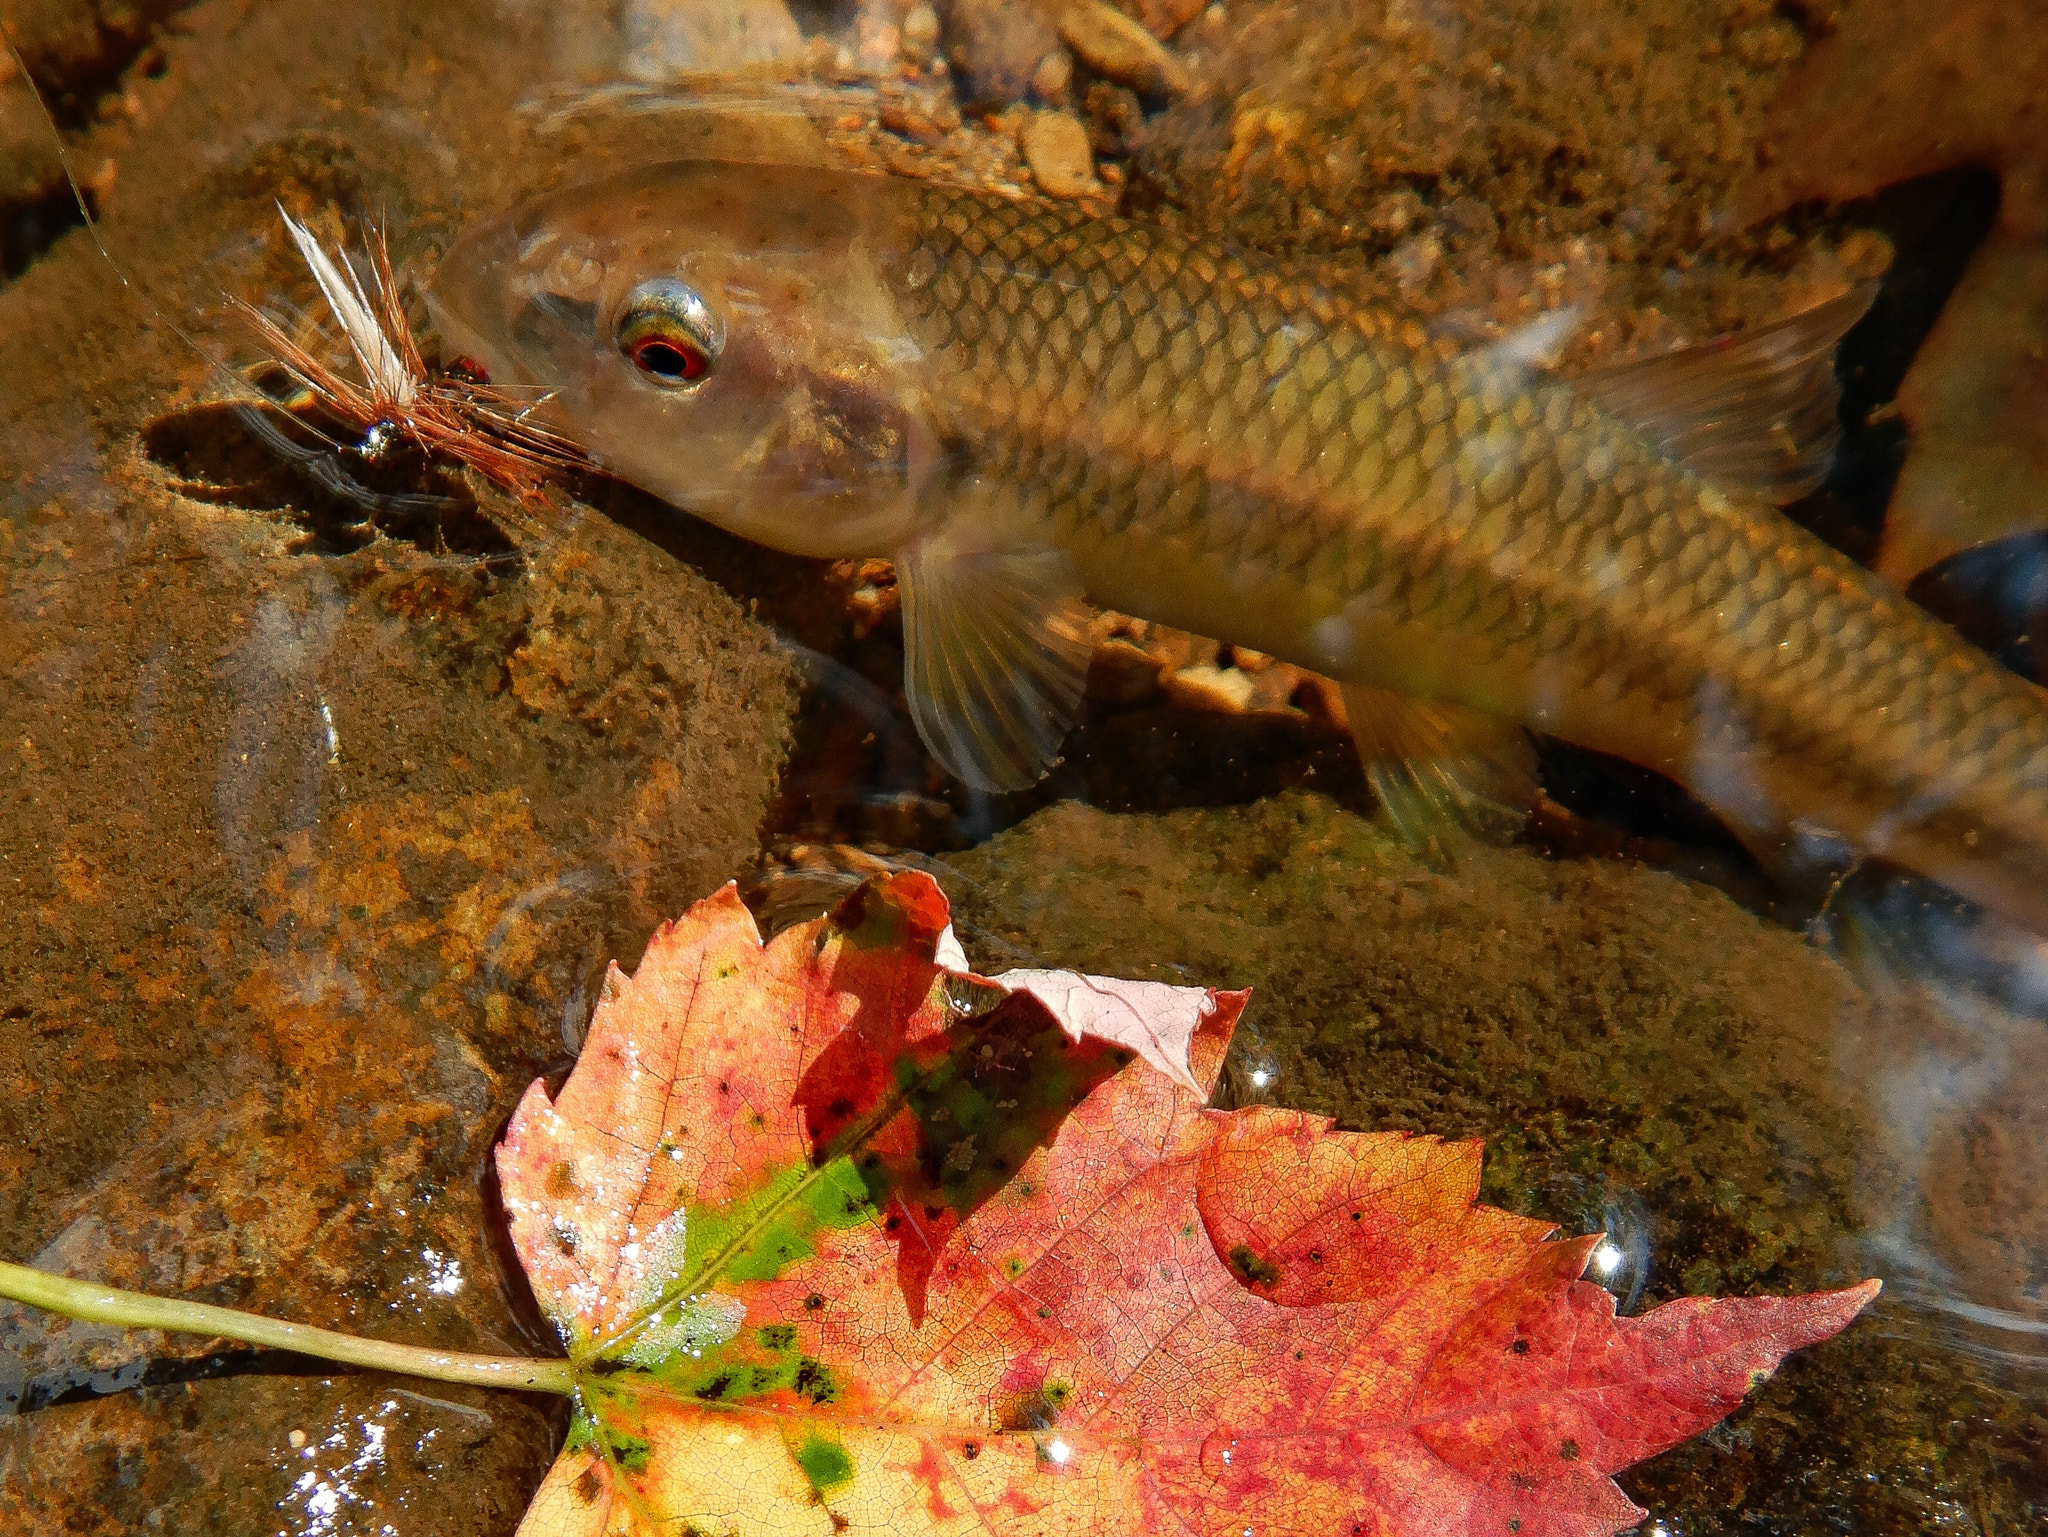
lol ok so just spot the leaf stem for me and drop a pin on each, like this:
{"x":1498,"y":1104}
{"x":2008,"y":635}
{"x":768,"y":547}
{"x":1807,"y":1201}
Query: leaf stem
{"x":138,"y":1310}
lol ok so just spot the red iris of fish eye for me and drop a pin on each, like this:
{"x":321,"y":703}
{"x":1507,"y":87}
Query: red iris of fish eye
{"x":670,"y":359}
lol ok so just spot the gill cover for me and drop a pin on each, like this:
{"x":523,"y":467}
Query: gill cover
{"x":722,"y":335}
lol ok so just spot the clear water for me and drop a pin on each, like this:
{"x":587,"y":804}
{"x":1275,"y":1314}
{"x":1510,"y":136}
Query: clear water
{"x":328,"y":787}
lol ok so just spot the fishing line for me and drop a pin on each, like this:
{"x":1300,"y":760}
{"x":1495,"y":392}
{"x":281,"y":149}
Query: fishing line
{"x":322,"y":469}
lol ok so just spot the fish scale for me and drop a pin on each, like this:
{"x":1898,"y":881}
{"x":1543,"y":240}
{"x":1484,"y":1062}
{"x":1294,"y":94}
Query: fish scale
{"x":1323,"y":455}
{"x":1005,"y":395}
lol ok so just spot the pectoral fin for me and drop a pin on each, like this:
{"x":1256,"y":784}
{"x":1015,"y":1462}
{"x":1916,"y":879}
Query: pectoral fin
{"x":1438,"y":767}
{"x":1756,"y":411}
{"x":995,"y":657}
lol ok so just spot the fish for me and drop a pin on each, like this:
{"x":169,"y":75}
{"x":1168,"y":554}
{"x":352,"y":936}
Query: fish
{"x":1033,"y":409}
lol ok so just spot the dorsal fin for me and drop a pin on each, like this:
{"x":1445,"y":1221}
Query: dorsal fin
{"x":1753,"y":412}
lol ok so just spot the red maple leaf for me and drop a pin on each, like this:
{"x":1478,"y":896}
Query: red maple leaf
{"x":832,"y":1251}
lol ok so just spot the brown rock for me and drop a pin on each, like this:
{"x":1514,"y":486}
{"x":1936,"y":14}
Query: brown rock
{"x":1122,"y":673}
{"x":667,"y":38}
{"x":1208,"y":687}
{"x":320,"y":842}
{"x":995,"y":46}
{"x":1055,"y":146}
{"x":920,"y":33}
{"x":1055,"y":73}
{"x":1118,"y":47}
{"x":1163,"y":18}
{"x":924,"y":116}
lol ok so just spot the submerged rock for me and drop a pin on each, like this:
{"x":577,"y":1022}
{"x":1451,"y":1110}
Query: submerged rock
{"x":995,"y":46}
{"x":327,"y":800}
{"x":667,"y":38}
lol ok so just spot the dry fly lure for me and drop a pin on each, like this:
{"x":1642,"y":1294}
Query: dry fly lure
{"x":453,"y":413}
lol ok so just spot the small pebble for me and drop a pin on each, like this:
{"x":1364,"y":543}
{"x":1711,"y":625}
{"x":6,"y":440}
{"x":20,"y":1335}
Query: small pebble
{"x":881,"y":45}
{"x":1055,"y":146}
{"x":927,"y":119}
{"x":1163,"y":18}
{"x":1208,"y":687}
{"x":921,"y":33}
{"x":1120,"y":48}
{"x":296,"y":1440}
{"x":1054,"y":74}
{"x":1414,"y":259}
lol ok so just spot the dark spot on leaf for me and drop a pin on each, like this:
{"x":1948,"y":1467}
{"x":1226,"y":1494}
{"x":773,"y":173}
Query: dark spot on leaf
{"x":1034,"y":1411}
{"x":839,"y":1522}
{"x":813,"y":1303}
{"x":1297,"y":1355}
{"x":777,"y":1336}
{"x":1520,"y":1347}
{"x":1315,"y":1256}
{"x":814,"y":1380}
{"x":892,"y":1224}
{"x":587,"y":1486}
{"x":1253,"y":1270}
{"x":717,"y":1387}
{"x":1356,"y":1215}
{"x":724,"y":1087}
{"x":971,"y":1450}
{"x":1570,"y":1450}
{"x":933,"y":1213}
{"x":1514,"y":1523}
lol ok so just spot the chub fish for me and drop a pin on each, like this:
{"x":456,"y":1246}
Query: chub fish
{"x":1030,"y":408}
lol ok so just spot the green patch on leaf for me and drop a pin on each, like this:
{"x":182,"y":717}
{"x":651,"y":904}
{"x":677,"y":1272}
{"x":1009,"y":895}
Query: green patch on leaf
{"x":776,"y":1336}
{"x":1253,"y":1270}
{"x":770,"y":1229}
{"x":824,"y":1463}
{"x":631,"y":1452}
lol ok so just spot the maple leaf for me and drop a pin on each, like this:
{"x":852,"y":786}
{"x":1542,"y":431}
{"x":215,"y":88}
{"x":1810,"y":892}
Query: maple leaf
{"x":829,"y":1253}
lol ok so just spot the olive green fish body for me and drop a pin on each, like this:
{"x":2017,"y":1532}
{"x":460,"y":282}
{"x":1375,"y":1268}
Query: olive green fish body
{"x":1256,"y":458}
{"x":1016,"y":400}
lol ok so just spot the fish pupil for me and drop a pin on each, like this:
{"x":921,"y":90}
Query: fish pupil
{"x":670,"y":360}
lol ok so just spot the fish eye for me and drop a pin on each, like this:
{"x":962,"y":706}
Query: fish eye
{"x":669,"y":333}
